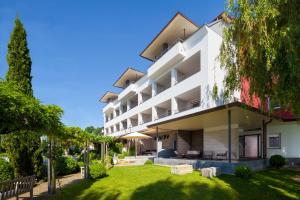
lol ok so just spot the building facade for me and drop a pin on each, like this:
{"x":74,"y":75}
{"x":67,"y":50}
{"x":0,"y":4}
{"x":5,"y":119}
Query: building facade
{"x":179,"y":101}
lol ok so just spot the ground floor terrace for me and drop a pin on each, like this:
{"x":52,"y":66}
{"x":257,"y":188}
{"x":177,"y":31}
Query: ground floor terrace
{"x":223,"y":136}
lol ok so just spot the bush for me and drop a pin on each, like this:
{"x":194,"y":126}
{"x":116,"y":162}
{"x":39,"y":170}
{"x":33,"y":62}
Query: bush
{"x":132,"y":151}
{"x":80,"y":164}
{"x":7,"y":172}
{"x":243,"y":172}
{"x":74,"y":150}
{"x":149,"y":162}
{"x":97,"y":170}
{"x":115,"y":148}
{"x":66,"y":165}
{"x":123,"y":155}
{"x":92,"y":155}
{"x":277,"y":161}
{"x":108,"y":162}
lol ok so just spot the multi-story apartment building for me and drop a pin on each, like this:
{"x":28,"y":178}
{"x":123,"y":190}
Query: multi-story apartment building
{"x":173,"y":100}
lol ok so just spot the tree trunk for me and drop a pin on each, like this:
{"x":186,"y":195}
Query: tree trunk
{"x":86,"y":162}
{"x":51,"y":167}
{"x":102,"y":151}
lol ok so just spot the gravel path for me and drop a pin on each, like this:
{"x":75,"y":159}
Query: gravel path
{"x":41,"y":189}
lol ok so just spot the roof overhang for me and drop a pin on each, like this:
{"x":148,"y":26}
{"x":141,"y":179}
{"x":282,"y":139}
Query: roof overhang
{"x":245,"y":116}
{"x":107,"y":96}
{"x":129,"y":74}
{"x":179,"y":27}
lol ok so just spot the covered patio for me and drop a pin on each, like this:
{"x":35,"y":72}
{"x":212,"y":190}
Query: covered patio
{"x":233,"y":133}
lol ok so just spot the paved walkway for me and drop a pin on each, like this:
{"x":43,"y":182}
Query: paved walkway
{"x":40,"y":191}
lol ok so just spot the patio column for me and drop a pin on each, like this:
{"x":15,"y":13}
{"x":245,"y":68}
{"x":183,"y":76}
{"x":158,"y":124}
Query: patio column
{"x":229,"y":136}
{"x":264,"y":139}
{"x":156,"y":142}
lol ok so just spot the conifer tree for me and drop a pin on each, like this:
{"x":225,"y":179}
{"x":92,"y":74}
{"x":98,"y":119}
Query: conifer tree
{"x":18,"y":59}
{"x":22,"y":147}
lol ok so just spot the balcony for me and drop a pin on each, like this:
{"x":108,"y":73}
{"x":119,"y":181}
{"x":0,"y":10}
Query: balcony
{"x":133,"y":120}
{"x":146,"y":94}
{"x":133,"y":102}
{"x":188,"y":68}
{"x":163,"y":109}
{"x":123,"y":108}
{"x":167,"y":60}
{"x":146,"y":116}
{"x":131,"y":89}
{"x":188,"y":100}
{"x":163,"y":83}
{"x":124,"y":124}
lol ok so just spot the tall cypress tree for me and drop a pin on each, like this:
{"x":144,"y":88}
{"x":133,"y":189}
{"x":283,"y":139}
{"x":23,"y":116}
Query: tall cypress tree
{"x":23,"y":148}
{"x":18,"y":59}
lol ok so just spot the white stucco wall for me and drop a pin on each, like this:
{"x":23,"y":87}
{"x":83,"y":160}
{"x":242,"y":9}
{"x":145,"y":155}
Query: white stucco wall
{"x":217,"y":141}
{"x":290,"y":139}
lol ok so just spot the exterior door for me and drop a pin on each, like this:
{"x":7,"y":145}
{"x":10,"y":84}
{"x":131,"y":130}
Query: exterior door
{"x":249,"y":146}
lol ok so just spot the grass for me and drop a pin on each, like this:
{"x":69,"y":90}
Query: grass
{"x":154,"y":182}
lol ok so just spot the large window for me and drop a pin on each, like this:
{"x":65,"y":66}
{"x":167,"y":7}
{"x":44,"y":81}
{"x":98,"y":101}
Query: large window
{"x":274,"y":141}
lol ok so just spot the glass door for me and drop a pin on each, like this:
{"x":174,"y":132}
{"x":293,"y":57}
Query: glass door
{"x":249,"y":146}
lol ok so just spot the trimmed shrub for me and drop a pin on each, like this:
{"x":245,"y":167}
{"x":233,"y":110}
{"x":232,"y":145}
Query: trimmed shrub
{"x":97,"y":170}
{"x":277,"y":161}
{"x":243,"y":172}
{"x":7,"y":172}
{"x":149,"y":162}
{"x":66,"y":165}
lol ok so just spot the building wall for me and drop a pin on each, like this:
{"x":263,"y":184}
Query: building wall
{"x":183,"y":141}
{"x":189,"y":140}
{"x":290,"y":139}
{"x":197,"y":140}
{"x":217,"y":141}
{"x":206,"y":42}
{"x":169,"y":142}
{"x":148,"y":144}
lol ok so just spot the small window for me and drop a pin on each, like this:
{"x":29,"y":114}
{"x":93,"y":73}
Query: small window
{"x":274,"y":141}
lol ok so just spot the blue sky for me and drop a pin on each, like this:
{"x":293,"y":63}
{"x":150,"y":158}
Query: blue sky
{"x":79,"y":48}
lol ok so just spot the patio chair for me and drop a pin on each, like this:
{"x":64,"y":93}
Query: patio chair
{"x":221,"y":156}
{"x":208,"y":155}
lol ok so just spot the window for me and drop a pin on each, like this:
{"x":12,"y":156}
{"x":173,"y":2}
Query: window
{"x":274,"y":141}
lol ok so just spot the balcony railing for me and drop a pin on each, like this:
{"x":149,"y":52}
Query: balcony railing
{"x":168,"y":113}
{"x":167,"y":49}
{"x":193,"y":104}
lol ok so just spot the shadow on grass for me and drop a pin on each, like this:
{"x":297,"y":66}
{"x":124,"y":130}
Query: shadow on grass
{"x":82,"y":191}
{"x":167,"y":189}
{"x":271,"y":184}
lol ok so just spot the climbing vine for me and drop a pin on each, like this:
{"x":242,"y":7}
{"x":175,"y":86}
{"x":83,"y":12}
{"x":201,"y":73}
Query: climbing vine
{"x":261,"y":45}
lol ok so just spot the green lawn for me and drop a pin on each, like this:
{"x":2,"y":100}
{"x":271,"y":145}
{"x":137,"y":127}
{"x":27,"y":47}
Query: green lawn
{"x":154,"y":182}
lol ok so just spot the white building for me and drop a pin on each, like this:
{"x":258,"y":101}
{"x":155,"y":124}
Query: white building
{"x":173,"y":101}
